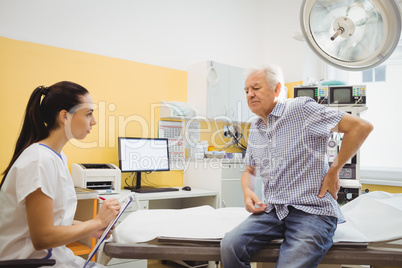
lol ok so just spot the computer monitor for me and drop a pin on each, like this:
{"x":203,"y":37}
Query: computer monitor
{"x":305,"y":91}
{"x":143,"y":155}
{"x":317,"y":93}
{"x":354,"y":95}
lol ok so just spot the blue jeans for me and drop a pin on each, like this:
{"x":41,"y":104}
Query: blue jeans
{"x":306,"y":239}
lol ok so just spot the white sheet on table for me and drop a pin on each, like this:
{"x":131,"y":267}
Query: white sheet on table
{"x":202,"y":222}
{"x":371,"y":217}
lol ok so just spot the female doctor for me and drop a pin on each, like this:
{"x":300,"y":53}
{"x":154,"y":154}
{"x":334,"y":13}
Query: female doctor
{"x":37,"y":196}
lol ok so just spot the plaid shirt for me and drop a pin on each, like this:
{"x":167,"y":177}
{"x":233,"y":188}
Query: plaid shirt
{"x":290,"y":154}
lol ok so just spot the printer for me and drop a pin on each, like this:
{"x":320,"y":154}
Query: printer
{"x":99,"y":177}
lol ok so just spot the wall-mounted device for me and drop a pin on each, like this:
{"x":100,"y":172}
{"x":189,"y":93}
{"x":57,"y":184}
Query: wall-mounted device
{"x":348,"y":171}
{"x":348,"y":194}
{"x":354,"y":95}
{"x":332,"y":148}
{"x":350,"y":99}
{"x":100,"y":177}
{"x":317,"y":93}
{"x":339,"y":95}
{"x":349,"y":179}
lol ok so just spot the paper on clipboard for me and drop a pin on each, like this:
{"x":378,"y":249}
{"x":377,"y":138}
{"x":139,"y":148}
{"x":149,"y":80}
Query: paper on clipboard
{"x":108,"y":228}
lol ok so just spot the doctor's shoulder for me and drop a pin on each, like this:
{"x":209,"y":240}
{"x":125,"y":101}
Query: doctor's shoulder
{"x":34,"y":157}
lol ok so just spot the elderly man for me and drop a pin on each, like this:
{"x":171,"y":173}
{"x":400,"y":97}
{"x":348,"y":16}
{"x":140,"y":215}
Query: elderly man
{"x":287,"y":144}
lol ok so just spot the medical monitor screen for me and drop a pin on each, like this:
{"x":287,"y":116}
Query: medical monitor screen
{"x":143,"y":154}
{"x":341,"y":95}
{"x":306,"y":93}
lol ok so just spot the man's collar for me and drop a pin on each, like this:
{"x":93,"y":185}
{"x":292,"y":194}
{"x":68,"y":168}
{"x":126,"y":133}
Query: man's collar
{"x":277,"y":111}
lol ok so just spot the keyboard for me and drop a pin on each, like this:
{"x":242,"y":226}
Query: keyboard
{"x":148,"y":189}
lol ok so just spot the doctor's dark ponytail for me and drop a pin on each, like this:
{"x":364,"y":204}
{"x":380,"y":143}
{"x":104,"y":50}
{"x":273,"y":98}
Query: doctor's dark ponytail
{"x":42,"y":112}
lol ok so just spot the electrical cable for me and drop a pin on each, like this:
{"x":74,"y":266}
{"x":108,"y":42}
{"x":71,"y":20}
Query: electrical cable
{"x":145,"y":180}
{"x":358,"y":100}
{"x":132,"y":182}
{"x":237,"y":137}
{"x":240,"y":146}
{"x":242,"y":133}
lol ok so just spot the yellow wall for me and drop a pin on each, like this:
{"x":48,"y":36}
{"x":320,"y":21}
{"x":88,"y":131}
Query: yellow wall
{"x":290,"y":87}
{"x":215,"y":137}
{"x":125,"y":93}
{"x":384,"y":188}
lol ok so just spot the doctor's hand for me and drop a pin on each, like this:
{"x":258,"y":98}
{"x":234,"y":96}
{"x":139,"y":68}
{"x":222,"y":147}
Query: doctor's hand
{"x":331,"y":184}
{"x":108,"y":211}
{"x":98,"y":233}
{"x":253,"y":204}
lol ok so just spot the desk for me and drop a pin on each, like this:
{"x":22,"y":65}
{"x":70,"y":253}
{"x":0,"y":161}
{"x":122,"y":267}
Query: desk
{"x":168,"y":200}
{"x":178,"y":199}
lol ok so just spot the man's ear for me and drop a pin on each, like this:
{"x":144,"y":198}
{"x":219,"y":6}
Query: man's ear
{"x":278,"y":89}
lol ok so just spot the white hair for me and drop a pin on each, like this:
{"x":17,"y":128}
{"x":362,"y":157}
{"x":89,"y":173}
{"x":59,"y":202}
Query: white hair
{"x":273,"y":74}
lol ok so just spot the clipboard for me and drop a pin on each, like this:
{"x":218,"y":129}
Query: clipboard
{"x":127,"y":201}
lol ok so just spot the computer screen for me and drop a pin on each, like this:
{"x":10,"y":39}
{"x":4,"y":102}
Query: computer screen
{"x":143,"y":154}
{"x":341,"y":95}
{"x":308,"y":92}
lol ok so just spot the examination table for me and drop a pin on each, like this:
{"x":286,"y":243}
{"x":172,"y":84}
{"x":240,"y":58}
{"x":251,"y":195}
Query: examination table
{"x":194,"y":234}
{"x":340,"y":253}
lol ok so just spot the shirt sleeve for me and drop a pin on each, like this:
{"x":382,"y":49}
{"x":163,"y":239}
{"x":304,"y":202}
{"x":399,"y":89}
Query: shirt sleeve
{"x":35,"y":170}
{"x":320,"y":119}
{"x":248,"y":158}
